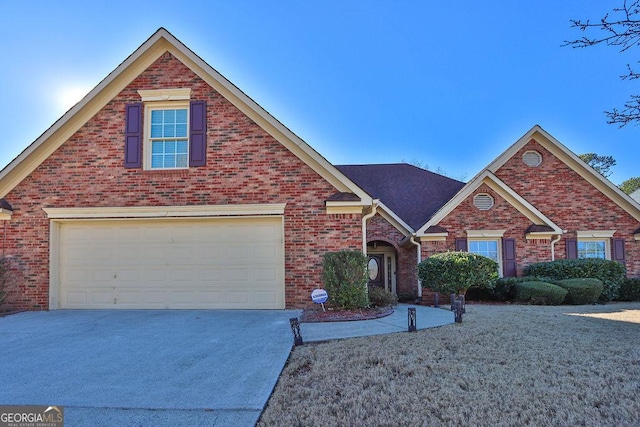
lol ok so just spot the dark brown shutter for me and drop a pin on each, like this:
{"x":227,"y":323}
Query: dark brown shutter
{"x":133,"y":136}
{"x":617,"y":250}
{"x":572,"y":248}
{"x":198,"y":133}
{"x":509,"y":258}
{"x":461,"y":245}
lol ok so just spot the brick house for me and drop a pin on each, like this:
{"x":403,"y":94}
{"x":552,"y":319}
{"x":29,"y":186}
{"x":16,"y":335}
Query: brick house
{"x":168,"y":187}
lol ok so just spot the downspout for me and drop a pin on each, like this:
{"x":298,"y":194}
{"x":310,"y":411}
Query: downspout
{"x":419,"y":246}
{"x":374,"y":206}
{"x":553,"y":244}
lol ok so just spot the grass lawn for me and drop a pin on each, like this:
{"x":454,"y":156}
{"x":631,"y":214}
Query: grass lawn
{"x":508,"y":365}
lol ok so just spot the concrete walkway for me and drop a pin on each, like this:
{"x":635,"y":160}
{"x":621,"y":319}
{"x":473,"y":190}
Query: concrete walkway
{"x":163,"y":367}
{"x":426,"y":317}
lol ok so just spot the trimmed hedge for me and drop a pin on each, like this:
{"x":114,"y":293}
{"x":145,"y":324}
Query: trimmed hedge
{"x":552,"y":294}
{"x":581,"y":291}
{"x":345,"y":278}
{"x":630,"y":290}
{"x":611,"y":273}
{"x":504,"y":288}
{"x":455,"y":272}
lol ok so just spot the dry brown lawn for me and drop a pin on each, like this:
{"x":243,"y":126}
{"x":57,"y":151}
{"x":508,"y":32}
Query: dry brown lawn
{"x":510,"y":365}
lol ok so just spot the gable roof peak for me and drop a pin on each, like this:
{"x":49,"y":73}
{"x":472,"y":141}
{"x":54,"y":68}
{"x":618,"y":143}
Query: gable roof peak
{"x":158,"y":44}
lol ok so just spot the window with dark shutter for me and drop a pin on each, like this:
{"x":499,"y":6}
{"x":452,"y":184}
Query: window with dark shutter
{"x":198,"y":134}
{"x":509,"y":257}
{"x":571,"y":246}
{"x":461,"y":245}
{"x":617,"y":252}
{"x":133,"y":136}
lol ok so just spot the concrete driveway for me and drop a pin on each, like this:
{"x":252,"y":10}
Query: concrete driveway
{"x":145,"y":367}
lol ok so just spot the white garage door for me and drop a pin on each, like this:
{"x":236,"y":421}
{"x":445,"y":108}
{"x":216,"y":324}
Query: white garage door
{"x":178,"y":264}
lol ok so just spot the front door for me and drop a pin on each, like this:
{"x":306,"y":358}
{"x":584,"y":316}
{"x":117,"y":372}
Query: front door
{"x":376,"y":270}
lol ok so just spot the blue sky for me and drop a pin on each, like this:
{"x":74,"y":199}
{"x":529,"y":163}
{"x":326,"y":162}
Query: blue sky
{"x":449,"y":85}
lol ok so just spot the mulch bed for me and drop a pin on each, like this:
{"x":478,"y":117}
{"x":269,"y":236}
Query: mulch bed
{"x":311,"y":315}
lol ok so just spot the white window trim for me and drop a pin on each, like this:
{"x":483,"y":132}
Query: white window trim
{"x":165,"y":95}
{"x":595,"y":234}
{"x":480,"y":234}
{"x":168,"y":105}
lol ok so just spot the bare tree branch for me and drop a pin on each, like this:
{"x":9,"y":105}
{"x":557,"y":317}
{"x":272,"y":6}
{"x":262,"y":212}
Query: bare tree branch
{"x":621,"y":28}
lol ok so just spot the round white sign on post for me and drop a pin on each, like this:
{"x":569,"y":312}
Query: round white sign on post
{"x":319,"y":296}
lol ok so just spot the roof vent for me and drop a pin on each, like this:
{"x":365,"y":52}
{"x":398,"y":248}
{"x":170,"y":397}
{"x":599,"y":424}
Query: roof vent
{"x":483,"y":201}
{"x":532,"y":158}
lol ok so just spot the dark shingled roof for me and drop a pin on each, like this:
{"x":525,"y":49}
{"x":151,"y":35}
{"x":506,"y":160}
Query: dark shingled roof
{"x":343,"y":197}
{"x":414,"y":194}
{"x":538,"y":228}
{"x":5,"y":205}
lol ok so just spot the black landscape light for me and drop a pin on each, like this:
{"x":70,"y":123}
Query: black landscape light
{"x":295,"y":328}
{"x":412,"y":319}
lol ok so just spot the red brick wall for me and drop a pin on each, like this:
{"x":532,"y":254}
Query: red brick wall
{"x":559,"y":193}
{"x":502,"y":216}
{"x":380,"y":229}
{"x":244,"y":165}
{"x":570,"y":201}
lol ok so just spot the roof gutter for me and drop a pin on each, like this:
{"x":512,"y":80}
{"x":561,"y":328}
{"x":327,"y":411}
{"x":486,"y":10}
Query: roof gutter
{"x":412,"y":239}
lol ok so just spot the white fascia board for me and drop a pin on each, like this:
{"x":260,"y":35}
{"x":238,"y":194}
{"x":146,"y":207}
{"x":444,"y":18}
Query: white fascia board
{"x":159,"y":43}
{"x":394,"y":219}
{"x":265,"y":120}
{"x":166,"y":211}
{"x":56,"y":135}
{"x":567,"y":156}
{"x":486,"y":177}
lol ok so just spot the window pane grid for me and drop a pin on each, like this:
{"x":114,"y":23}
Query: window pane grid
{"x":592,"y":249}
{"x":169,"y":154}
{"x":169,"y":146}
{"x":488,"y":248}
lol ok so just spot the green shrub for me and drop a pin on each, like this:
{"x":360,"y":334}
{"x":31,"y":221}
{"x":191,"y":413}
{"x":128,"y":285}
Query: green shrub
{"x":581,"y":291}
{"x":504,"y":288}
{"x":345,"y":278}
{"x":612,"y":273}
{"x":379,"y":297}
{"x":630,"y":290}
{"x":537,"y":291}
{"x":455,"y":272}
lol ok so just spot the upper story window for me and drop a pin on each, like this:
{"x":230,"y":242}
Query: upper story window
{"x":174,"y":132}
{"x":168,"y":143}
